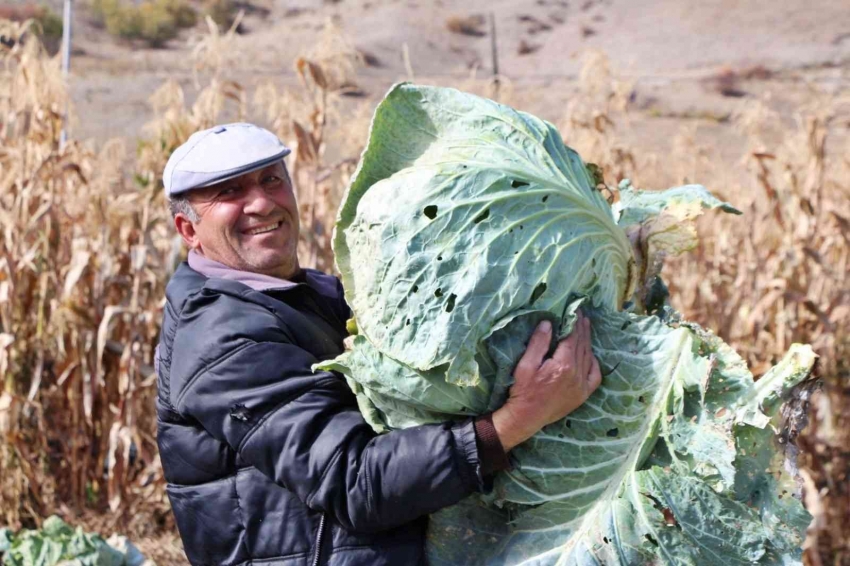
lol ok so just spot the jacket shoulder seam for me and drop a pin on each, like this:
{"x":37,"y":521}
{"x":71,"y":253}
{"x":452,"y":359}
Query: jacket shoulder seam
{"x":214,"y":363}
{"x":245,"y":294}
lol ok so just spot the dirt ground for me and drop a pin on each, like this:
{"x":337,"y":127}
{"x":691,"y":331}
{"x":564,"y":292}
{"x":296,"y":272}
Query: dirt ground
{"x":670,"y":50}
{"x":688,"y":63}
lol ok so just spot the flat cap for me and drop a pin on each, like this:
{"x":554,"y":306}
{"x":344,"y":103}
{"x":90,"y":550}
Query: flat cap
{"x":218,"y":154}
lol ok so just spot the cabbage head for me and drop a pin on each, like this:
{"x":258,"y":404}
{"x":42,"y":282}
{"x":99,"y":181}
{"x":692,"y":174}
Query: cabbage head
{"x":465,"y":225}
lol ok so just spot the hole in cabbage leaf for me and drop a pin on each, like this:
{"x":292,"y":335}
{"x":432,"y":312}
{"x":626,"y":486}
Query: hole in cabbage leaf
{"x":545,"y":198}
{"x":561,"y":435}
{"x":438,"y":293}
{"x":614,"y":432}
{"x":641,"y":399}
{"x":407,"y":322}
{"x":539,"y":290}
{"x":482,"y":217}
{"x":569,"y":423}
{"x":606,"y":540}
{"x":439,"y":258}
{"x":517,"y":184}
{"x":651,"y":540}
{"x":430,"y":211}
{"x":450,"y":304}
{"x":626,"y":325}
{"x":414,"y":288}
{"x":670,"y":519}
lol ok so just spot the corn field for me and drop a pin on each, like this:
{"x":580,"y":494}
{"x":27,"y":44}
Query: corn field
{"x":87,"y":247}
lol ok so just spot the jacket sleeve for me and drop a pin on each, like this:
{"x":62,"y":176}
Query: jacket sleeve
{"x":304,"y":431}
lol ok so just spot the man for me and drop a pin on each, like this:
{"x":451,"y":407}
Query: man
{"x":266,"y":461}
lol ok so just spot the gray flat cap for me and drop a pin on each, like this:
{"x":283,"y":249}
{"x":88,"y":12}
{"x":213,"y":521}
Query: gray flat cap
{"x":218,"y":154}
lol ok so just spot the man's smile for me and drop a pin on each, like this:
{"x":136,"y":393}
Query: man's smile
{"x":263,"y":229}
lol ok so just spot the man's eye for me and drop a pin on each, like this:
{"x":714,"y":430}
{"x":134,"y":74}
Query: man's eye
{"x":228,"y":191}
{"x":268,"y":179}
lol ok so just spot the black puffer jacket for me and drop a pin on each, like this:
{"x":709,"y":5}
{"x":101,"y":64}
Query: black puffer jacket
{"x":269,"y":463}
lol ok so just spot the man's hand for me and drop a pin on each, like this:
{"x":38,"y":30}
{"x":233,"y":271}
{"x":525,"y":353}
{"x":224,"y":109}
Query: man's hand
{"x":545,"y":391}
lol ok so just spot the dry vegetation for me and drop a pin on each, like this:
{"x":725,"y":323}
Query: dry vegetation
{"x":86,"y":249}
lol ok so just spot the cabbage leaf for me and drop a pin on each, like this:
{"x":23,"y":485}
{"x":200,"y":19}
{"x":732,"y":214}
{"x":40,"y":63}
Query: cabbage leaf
{"x":57,"y":543}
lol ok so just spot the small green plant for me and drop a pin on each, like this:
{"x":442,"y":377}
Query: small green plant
{"x":56,"y":542}
{"x":47,"y":24}
{"x":50,"y":25}
{"x":153,"y":21}
{"x":223,"y":12}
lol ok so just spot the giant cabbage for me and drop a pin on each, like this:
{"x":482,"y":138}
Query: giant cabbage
{"x":465,"y":225}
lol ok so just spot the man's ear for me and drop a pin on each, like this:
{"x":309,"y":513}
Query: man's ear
{"x":186,"y":229}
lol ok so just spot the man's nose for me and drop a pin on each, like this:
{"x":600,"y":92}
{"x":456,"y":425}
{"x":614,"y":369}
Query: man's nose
{"x":257,"y":202}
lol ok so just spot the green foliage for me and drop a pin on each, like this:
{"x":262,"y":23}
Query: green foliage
{"x":50,"y":25}
{"x":222,"y":12}
{"x":55,"y":543}
{"x":465,"y":225}
{"x":47,"y":24}
{"x":152,"y":21}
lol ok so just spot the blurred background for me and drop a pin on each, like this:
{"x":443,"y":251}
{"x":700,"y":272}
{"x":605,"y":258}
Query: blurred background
{"x":749,"y":98}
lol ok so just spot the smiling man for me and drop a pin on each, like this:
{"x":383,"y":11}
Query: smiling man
{"x":266,"y":461}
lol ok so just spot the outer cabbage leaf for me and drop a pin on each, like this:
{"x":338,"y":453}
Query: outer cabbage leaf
{"x":393,"y":395}
{"x":599,"y":487}
{"x":637,"y":207}
{"x":503,"y":216}
{"x":661,"y":224}
{"x":579,"y":497}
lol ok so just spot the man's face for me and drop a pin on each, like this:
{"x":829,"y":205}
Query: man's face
{"x":248,"y":223}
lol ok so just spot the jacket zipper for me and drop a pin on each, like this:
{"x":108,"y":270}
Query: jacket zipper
{"x":319,"y":535}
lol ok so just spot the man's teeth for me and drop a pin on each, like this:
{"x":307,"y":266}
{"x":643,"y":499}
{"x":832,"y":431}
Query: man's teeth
{"x":269,"y":228}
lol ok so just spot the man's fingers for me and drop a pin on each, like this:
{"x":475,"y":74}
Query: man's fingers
{"x":566,"y":353}
{"x":581,"y":363}
{"x":536,"y":350}
{"x":569,"y":349}
{"x":594,"y":378}
{"x":587,"y":353}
